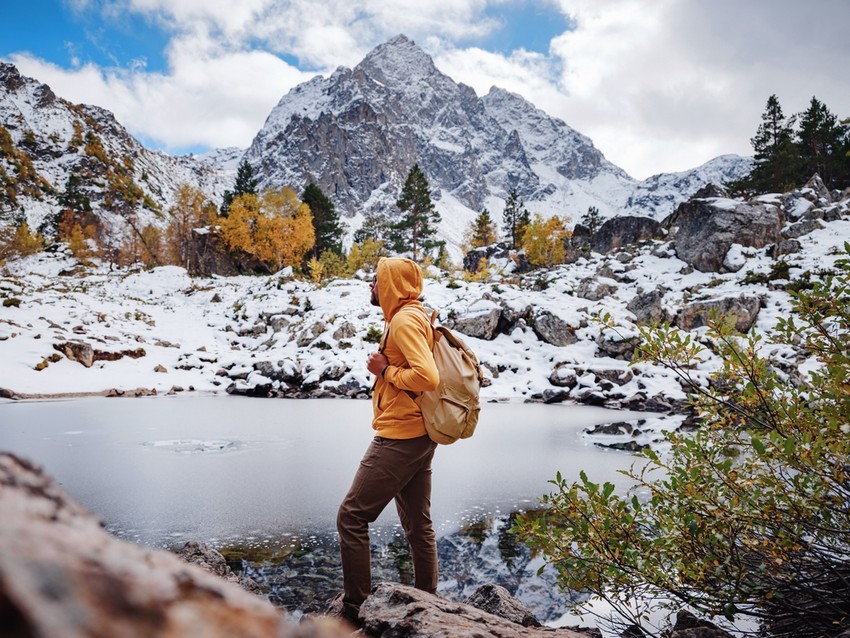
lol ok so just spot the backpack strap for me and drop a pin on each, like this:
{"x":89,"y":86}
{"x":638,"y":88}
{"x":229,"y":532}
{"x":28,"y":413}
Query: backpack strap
{"x":434,"y":336}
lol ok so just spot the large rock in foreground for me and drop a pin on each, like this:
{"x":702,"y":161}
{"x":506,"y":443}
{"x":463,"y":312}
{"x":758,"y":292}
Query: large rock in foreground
{"x":62,"y":575}
{"x":404,"y":612}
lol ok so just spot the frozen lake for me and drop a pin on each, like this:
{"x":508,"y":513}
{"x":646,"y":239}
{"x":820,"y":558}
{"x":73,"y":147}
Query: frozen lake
{"x":229,"y":469}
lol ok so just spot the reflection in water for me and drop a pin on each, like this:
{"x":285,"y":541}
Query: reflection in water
{"x":261,"y":479}
{"x":303,"y":577}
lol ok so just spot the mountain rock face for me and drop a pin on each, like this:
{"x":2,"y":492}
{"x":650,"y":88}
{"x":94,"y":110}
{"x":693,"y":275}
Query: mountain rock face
{"x":45,"y":140}
{"x":358,"y":132}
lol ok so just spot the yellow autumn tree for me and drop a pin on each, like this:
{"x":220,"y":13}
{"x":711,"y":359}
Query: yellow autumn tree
{"x":275,"y":228}
{"x":20,"y":242}
{"x":543,"y":240}
{"x":80,"y":233}
{"x":191,"y":210}
{"x":365,"y":255}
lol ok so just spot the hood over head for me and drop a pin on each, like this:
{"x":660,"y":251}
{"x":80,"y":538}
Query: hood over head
{"x":399,"y":282}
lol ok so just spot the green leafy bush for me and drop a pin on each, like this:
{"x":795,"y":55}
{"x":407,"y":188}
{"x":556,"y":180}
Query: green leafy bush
{"x":749,"y":516}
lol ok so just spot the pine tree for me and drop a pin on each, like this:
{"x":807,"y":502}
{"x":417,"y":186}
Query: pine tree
{"x":822,"y":143}
{"x":246,"y":184}
{"x":592,"y":219}
{"x":482,"y":231}
{"x":416,"y":229}
{"x":73,"y":197}
{"x":325,"y":221}
{"x":515,"y":219}
{"x":375,"y":227}
{"x":777,"y":163}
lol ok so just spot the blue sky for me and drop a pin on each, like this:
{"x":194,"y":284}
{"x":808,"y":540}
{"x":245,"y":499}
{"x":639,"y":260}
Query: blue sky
{"x":658,"y":86}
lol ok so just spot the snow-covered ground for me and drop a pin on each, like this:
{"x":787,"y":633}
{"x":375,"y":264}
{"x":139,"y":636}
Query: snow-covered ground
{"x":164,"y":331}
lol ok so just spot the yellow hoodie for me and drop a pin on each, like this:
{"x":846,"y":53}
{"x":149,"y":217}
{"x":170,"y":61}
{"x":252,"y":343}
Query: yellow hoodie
{"x":407,"y":344}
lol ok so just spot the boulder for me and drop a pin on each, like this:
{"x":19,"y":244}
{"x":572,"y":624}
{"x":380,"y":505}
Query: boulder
{"x":610,"y":344}
{"x":743,"y":309}
{"x":816,"y":191}
{"x":802,"y":228}
{"x":209,"y":559}
{"x":62,"y":575}
{"x":401,"y":611}
{"x":308,"y":335}
{"x":786,"y":247}
{"x":78,"y":351}
{"x":472,"y":259}
{"x":703,"y":230}
{"x":689,"y":626}
{"x":594,"y":289}
{"x":496,"y":600}
{"x":579,"y":244}
{"x":564,"y":376}
{"x":625,"y":230}
{"x":647,"y":306}
{"x":553,"y":330}
{"x":480,"y":320}
{"x":345,"y":331}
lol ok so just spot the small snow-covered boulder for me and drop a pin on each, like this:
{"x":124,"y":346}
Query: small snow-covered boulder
{"x":553,"y":330}
{"x":744,"y":310}
{"x":480,"y":320}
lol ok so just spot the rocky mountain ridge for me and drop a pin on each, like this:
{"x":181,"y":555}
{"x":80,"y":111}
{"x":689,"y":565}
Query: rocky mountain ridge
{"x":46,"y":140}
{"x":355,"y":133}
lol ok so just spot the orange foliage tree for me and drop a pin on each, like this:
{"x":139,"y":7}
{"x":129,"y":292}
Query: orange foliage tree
{"x":275,"y":228}
{"x":191,"y":210}
{"x":19,"y":242}
{"x":543,"y":240}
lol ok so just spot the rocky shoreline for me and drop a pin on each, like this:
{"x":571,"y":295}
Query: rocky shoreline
{"x":63,"y":576}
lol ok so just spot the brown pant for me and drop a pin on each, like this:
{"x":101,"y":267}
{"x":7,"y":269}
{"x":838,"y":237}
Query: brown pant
{"x":390,"y":469}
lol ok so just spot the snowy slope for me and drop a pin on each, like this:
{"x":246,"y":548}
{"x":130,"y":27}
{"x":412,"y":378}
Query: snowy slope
{"x":59,"y":139}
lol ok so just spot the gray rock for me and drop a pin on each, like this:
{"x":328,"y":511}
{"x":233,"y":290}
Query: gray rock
{"x":647,"y":307}
{"x":625,"y":230}
{"x":703,"y":230}
{"x":278,"y":323}
{"x":786,"y":247}
{"x":401,"y":611}
{"x":594,"y":290}
{"x":307,"y":336}
{"x":553,"y":330}
{"x":78,"y":351}
{"x":744,"y":309}
{"x":472,"y":259}
{"x":345,"y":331}
{"x":563,"y":376}
{"x":816,"y":191}
{"x":612,"y":345}
{"x":802,"y":228}
{"x":496,"y":600}
{"x":481,"y":320}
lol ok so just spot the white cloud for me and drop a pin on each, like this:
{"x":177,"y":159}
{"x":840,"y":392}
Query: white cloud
{"x":204,"y":101}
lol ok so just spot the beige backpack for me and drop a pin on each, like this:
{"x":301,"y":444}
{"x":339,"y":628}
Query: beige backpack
{"x":451,"y":410}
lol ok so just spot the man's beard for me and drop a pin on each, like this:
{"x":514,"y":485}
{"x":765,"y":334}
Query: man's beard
{"x":373,"y":299}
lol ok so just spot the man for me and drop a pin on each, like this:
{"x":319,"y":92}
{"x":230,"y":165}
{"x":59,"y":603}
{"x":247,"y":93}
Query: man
{"x":397,"y":464}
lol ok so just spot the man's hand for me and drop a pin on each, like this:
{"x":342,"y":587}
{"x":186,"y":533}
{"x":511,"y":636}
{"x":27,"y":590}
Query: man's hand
{"x":376,"y":362}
